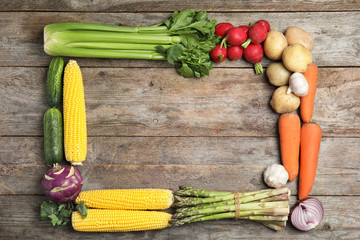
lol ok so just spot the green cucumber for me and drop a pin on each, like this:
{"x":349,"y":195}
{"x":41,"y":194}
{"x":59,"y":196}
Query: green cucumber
{"x":54,"y":82}
{"x":53,"y":136}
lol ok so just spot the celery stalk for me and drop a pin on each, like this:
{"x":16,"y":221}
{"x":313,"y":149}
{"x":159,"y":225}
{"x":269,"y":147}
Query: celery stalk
{"x":65,"y":26}
{"x":120,"y":46}
{"x":66,"y":37}
{"x":61,"y":50}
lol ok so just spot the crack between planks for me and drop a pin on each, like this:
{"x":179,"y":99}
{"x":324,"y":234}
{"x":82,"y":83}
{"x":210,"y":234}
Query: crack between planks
{"x":170,"y":136}
{"x":171,"y":11}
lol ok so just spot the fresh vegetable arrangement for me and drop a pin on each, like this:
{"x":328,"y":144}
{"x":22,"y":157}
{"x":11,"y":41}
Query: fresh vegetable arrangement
{"x":296,"y":79}
{"x":119,"y":210}
{"x":61,"y":183}
{"x":184,"y":40}
{"x":189,"y":41}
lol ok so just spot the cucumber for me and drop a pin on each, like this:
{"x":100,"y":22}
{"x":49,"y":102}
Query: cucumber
{"x":53,"y":136}
{"x":54,"y":82}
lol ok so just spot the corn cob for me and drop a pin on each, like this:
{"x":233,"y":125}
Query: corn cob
{"x":75,"y":136}
{"x":104,"y":220}
{"x":130,"y":199}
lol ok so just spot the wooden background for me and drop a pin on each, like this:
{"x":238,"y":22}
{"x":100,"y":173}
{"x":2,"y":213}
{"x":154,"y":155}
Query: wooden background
{"x":149,"y":127}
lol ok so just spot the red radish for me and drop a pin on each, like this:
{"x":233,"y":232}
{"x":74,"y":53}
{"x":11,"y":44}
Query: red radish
{"x":234,"y":52}
{"x":254,"y":54}
{"x":265,"y":24}
{"x":222,"y":28}
{"x":257,"y":34}
{"x":218,"y":54}
{"x":235,"y":36}
{"x":245,"y":28}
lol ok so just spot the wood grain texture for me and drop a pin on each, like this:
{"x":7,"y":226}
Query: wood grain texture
{"x":230,"y":163}
{"x":340,"y":222}
{"x":22,"y":35}
{"x":149,"y":127}
{"x":163,"y":6}
{"x":158,"y":102}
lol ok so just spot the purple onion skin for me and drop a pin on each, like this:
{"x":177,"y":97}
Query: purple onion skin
{"x":62,"y":183}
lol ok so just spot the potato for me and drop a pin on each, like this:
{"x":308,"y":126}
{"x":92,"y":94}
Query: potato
{"x":277,"y":74}
{"x":296,"y":58}
{"x":298,"y":35}
{"x":282,"y":102}
{"x":275,"y":44}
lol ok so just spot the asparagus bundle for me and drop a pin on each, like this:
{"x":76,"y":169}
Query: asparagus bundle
{"x":269,"y":207}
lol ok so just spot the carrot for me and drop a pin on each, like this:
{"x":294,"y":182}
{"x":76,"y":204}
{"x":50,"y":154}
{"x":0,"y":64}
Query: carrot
{"x":307,"y":102}
{"x":310,"y":138}
{"x":289,"y":132}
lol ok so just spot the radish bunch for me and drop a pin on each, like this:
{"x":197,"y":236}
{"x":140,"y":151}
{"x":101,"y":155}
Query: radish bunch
{"x":241,"y":41}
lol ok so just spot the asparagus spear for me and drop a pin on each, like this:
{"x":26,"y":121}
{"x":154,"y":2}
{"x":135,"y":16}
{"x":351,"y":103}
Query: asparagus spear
{"x":243,"y":198}
{"x":231,"y":208}
{"x":231,"y":215}
{"x":272,"y":226}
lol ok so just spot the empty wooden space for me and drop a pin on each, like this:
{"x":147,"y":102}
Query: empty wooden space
{"x":149,"y":127}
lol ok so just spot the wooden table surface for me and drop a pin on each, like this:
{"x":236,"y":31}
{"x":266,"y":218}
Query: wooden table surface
{"x":149,"y":127}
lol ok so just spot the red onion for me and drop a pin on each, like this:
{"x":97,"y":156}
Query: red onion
{"x":307,"y":214}
{"x":62,"y":183}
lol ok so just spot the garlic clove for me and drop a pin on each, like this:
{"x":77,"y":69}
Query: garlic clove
{"x":298,"y":84}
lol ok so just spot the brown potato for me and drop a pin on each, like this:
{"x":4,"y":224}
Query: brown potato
{"x":298,"y":35}
{"x":275,"y":44}
{"x":282,"y":102}
{"x":296,"y":58}
{"x":277,"y":74}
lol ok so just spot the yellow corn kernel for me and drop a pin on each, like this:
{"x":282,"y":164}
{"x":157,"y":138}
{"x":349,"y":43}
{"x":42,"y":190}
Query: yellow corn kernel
{"x":75,"y":135}
{"x":130,"y":199}
{"x":105,"y":220}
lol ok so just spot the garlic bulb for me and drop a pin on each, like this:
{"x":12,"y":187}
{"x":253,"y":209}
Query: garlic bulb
{"x":276,"y":176}
{"x":298,"y":84}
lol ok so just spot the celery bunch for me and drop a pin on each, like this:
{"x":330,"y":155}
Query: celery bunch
{"x":184,"y":40}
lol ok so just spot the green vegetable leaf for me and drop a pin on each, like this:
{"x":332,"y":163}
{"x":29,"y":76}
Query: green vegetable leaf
{"x":182,"y":19}
{"x":161,"y":49}
{"x":82,"y":209}
{"x":65,"y":214}
{"x":189,"y":40}
{"x":55,"y":221}
{"x":190,"y":22}
{"x":185,"y":71}
{"x":201,"y":16}
{"x":57,"y":214}
{"x":47,"y":209}
{"x":174,"y":52}
{"x":197,"y":35}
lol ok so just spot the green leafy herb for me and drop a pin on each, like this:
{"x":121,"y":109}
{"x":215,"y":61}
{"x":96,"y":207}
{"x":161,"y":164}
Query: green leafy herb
{"x":60,"y":214}
{"x":82,"y":209}
{"x":197,"y":38}
{"x":174,"y":53}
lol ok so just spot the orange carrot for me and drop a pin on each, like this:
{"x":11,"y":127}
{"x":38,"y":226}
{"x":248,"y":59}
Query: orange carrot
{"x":310,"y":138}
{"x":289,"y":132}
{"x":307,"y":102}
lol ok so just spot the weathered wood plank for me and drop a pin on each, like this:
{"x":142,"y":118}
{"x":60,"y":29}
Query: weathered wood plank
{"x":217,"y":151}
{"x":19,"y":218}
{"x":161,"y":6}
{"x":231,"y":163}
{"x":158,"y":102}
{"x":22,"y":39}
